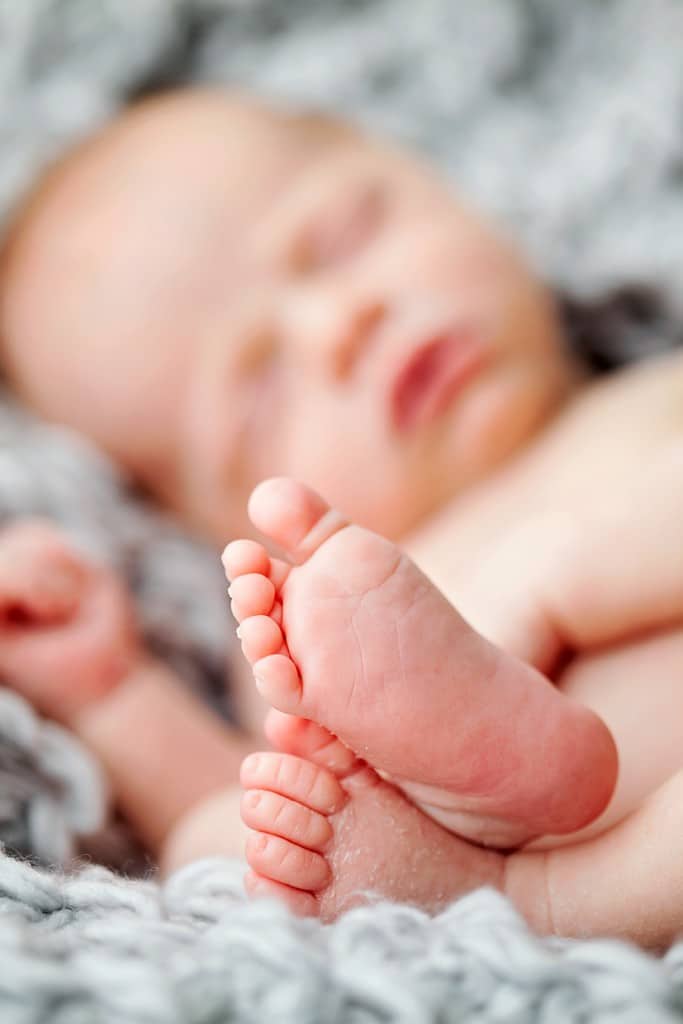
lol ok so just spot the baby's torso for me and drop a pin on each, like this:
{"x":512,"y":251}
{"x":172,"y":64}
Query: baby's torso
{"x":601,"y":444}
{"x":591,"y":459}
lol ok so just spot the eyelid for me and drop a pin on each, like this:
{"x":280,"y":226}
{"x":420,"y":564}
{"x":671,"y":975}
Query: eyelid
{"x":335,"y":235}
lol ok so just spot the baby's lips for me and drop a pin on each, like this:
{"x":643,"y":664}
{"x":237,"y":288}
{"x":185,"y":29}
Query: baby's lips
{"x":433,"y":375}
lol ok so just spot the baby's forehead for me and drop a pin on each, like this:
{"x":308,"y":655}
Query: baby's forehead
{"x":201,"y":142}
{"x":186,"y":162}
{"x":159,"y":192}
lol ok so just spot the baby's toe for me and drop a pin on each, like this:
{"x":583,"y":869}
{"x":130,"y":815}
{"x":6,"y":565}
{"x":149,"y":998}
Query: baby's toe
{"x":276,"y":612}
{"x":293,"y":516}
{"x":286,"y":862}
{"x":277,"y":680}
{"x":245,"y":556}
{"x":303,"y":904}
{"x":279,"y":816}
{"x":294,"y":735}
{"x":252,"y":594}
{"x":260,"y":637}
{"x":279,"y":571}
{"x":295,"y":778}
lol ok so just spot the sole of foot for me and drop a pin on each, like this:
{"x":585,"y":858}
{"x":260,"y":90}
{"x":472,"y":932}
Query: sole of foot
{"x":347,"y":632}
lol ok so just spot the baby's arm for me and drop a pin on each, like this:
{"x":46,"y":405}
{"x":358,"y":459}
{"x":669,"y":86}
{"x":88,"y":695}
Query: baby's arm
{"x":69,"y":644}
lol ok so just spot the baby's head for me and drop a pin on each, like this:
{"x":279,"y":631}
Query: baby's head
{"x":216,"y":292}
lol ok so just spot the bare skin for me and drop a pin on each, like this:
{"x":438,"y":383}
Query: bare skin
{"x":551,"y":890}
{"x":69,"y":644}
{"x":397,"y":674}
{"x":573,"y":563}
{"x":328,"y":834}
{"x":309,"y":275}
{"x":300,"y":278}
{"x":562,"y":890}
{"x":339,"y":311}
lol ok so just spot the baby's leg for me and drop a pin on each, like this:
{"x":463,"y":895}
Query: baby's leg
{"x":328,"y":833}
{"x":636,"y":689}
{"x":68,"y":644}
{"x":354,"y":637}
{"x":625,"y":882}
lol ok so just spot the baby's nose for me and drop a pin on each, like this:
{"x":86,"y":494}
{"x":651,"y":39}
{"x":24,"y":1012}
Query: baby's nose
{"x":331,"y":330}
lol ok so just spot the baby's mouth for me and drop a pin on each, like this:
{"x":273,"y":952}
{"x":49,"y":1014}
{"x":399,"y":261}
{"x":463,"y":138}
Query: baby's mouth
{"x":433,"y":375}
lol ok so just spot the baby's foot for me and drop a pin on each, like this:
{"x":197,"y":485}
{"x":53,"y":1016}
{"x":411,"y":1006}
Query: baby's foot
{"x":328,"y":833}
{"x":355,"y":638}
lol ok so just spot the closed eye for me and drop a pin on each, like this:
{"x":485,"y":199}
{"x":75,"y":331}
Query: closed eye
{"x":343,"y":230}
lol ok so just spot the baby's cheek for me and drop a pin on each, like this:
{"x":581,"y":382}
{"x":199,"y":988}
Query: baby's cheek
{"x":502,"y":411}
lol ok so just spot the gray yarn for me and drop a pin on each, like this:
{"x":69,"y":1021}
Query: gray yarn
{"x":178,"y":587}
{"x":562,"y":119}
{"x":91,"y":948}
{"x":51,"y":790}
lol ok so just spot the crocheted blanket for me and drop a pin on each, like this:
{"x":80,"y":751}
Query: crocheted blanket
{"x":563,"y":120}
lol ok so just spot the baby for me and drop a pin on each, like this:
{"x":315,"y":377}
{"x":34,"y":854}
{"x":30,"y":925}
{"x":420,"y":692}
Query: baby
{"x":215,"y":293}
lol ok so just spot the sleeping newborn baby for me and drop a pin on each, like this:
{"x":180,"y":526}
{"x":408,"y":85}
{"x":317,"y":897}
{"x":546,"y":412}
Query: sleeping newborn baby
{"x":216,"y":293}
{"x":194,"y":289}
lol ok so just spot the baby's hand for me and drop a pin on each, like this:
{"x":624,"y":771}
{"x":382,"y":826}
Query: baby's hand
{"x":67,"y":632}
{"x":68,"y":644}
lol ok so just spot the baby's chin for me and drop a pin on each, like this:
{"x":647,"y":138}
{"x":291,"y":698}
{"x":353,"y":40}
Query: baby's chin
{"x":505,"y":412}
{"x":497,"y":424}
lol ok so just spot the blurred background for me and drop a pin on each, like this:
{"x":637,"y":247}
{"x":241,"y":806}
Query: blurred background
{"x":564,"y":120}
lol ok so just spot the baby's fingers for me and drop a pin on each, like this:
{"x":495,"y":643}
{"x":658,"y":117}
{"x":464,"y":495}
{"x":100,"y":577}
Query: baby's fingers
{"x":41,"y":578}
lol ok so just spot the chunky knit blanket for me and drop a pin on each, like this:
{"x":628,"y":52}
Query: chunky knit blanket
{"x":564,"y":121}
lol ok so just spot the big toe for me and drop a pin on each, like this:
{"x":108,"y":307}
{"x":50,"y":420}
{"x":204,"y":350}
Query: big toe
{"x":293,"y":516}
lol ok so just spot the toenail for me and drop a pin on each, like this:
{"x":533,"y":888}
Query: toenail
{"x":260,"y":684}
{"x":230,"y":590}
{"x":238,"y":631}
{"x":252,"y":761}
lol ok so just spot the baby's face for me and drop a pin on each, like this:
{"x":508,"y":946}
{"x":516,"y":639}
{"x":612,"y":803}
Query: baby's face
{"x":217,"y":293}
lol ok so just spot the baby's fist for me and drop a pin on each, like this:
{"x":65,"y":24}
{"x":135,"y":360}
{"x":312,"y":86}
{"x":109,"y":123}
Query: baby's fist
{"x":67,"y":632}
